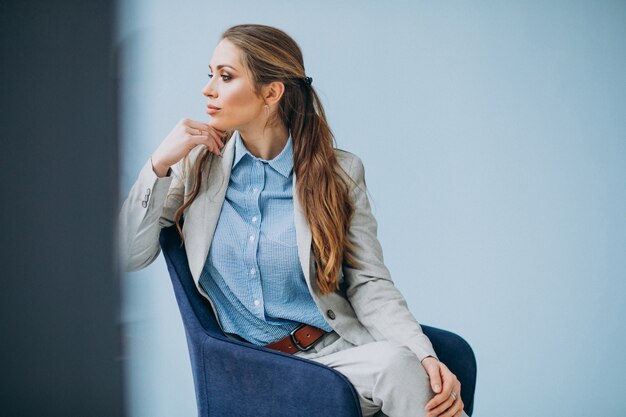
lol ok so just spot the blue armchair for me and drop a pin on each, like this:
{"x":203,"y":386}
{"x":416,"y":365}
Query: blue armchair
{"x":238,"y":379}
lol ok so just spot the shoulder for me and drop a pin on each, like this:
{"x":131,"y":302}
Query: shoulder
{"x":350,"y":163}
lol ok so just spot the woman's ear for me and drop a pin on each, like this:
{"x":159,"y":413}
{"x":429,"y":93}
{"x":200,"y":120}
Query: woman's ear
{"x":273,"y":92}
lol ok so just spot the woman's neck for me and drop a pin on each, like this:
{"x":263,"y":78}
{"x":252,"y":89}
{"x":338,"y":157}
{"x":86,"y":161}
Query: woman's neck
{"x":265,"y":143}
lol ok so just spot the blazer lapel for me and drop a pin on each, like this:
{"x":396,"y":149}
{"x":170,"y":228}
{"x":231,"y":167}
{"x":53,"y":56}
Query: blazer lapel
{"x":203,"y":214}
{"x":303,"y":235}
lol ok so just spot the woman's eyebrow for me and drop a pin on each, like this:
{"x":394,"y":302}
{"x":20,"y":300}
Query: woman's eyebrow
{"x":219,"y":67}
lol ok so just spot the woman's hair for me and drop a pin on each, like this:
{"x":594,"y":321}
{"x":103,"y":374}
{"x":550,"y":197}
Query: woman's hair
{"x":271,"y":55}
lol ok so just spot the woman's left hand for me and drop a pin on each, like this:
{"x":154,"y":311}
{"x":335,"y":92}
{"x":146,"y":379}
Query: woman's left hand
{"x":447,"y":400}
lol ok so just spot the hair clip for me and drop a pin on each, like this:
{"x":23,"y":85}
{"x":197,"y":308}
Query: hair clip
{"x":308,"y":81}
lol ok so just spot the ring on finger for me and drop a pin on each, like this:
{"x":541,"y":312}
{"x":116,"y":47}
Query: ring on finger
{"x":453,"y":396}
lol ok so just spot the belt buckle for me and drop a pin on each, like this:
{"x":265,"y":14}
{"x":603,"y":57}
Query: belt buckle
{"x":295,"y":342}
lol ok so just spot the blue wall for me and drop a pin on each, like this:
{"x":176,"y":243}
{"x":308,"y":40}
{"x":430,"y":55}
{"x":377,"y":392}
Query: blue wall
{"x":494,"y":140}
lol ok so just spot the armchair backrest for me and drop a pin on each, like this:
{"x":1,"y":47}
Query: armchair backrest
{"x":234,"y":378}
{"x":240,"y":379}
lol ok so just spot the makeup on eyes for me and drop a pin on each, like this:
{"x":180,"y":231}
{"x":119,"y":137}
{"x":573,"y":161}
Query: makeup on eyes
{"x":219,"y":67}
{"x":225,"y":76}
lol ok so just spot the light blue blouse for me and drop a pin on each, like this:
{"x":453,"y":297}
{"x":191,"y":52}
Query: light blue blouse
{"x":253,"y":273}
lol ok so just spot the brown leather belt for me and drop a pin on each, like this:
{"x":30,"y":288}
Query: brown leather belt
{"x":301,"y":339}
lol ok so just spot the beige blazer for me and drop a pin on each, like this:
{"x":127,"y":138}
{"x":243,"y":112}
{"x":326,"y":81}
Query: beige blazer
{"x":367,"y":308}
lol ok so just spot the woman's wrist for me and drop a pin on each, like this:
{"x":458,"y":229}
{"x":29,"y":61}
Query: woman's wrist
{"x":160,"y":170}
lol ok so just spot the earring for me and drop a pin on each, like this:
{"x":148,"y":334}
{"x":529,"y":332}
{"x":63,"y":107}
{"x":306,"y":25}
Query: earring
{"x":267,"y":109}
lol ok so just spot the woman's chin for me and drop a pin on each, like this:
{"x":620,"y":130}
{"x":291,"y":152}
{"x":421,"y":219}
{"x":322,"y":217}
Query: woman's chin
{"x":216,"y":124}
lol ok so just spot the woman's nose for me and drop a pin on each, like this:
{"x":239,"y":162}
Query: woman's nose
{"x":208,"y":90}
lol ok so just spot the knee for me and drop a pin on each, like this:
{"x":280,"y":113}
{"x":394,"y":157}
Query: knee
{"x":401,"y":364}
{"x":402,"y":378}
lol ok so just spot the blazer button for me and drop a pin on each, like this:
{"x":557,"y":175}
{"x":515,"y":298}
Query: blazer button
{"x":144,"y":204}
{"x":147,"y":191}
{"x":331,"y":314}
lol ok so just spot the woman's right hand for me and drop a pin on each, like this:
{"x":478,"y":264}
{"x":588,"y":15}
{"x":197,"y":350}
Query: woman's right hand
{"x":186,"y":135}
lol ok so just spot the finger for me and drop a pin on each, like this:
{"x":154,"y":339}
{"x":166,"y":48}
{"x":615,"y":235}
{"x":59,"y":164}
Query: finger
{"x":434,"y":375}
{"x":436,"y":401}
{"x":448,"y":408}
{"x":218,"y":145}
{"x":206,"y":140}
{"x":198,"y":132}
{"x":218,"y":137}
{"x":449,"y":382}
{"x":197,"y":125}
{"x":209,"y":139}
{"x":220,"y":132}
{"x":441,"y":408}
{"x":215,"y":145}
{"x":454,"y":410}
{"x":212,"y":146}
{"x":210,"y":129}
{"x":194,"y":132}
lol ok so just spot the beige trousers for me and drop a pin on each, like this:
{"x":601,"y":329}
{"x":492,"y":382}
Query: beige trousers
{"x":388,"y":378}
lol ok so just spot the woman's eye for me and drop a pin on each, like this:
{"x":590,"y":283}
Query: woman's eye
{"x":225,"y":77}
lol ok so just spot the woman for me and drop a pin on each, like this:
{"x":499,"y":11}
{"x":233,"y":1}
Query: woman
{"x":278,"y":229}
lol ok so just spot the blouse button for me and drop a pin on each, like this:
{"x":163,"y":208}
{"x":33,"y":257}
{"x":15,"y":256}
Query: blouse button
{"x":331,"y":314}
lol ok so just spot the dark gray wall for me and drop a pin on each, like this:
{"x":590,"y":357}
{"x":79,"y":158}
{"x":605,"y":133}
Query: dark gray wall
{"x":60,"y":351}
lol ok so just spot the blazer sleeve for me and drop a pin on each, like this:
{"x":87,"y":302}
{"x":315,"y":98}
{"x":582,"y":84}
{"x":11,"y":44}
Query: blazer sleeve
{"x":378,"y":304}
{"x":150,"y":206}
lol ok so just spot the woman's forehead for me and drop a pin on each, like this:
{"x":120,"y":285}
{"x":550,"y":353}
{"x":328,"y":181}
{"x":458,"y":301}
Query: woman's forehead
{"x":226,"y":54}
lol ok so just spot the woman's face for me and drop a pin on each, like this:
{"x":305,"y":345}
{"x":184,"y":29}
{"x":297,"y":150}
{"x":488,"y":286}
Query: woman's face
{"x":232,"y":101}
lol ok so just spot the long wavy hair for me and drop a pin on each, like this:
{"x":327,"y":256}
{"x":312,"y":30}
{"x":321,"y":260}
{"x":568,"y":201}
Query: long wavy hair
{"x":271,"y":55}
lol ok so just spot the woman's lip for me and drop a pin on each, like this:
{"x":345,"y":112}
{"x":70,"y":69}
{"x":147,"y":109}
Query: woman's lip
{"x":212,"y":109}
